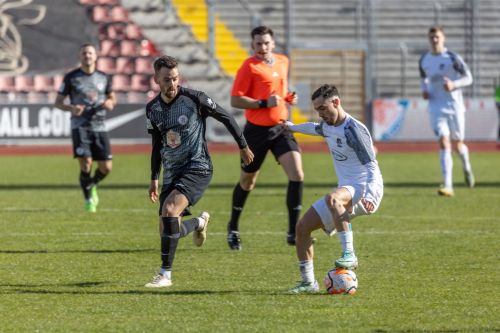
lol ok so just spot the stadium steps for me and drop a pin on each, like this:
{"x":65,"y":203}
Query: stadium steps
{"x":228,"y":49}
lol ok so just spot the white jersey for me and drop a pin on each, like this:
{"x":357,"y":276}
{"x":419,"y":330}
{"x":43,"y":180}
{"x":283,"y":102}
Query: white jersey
{"x":351,"y":148}
{"x":433,"y":69}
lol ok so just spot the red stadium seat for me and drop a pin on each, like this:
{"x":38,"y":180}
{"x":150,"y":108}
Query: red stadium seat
{"x":129,"y":48}
{"x":57,"y":80}
{"x":118,"y":14}
{"x":24,"y":83}
{"x":43,"y":83}
{"x":121,"y":83}
{"x":100,"y":14}
{"x":7,"y":84}
{"x":109,"y":48}
{"x":133,"y":31}
{"x":106,"y":64}
{"x":125,"y":65}
{"x":141,"y":82}
{"x":148,"y":48}
{"x":144,"y":65}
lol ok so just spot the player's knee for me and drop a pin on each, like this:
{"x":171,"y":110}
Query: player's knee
{"x":248,"y":183}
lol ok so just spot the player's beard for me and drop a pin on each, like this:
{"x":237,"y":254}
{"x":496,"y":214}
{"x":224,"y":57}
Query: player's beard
{"x":170,"y":92}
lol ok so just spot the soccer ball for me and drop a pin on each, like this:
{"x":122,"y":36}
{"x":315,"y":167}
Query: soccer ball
{"x":341,"y":281}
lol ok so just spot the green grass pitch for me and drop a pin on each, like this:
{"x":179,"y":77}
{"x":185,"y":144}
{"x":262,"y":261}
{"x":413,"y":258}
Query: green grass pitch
{"x":427,"y":264}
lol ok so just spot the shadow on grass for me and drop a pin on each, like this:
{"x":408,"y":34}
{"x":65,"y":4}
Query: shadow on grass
{"x":75,"y":251}
{"x":15,"y":187}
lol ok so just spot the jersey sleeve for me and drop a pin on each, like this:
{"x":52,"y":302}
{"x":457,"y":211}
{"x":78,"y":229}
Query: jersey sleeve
{"x":359,"y":139}
{"x":309,"y":128}
{"x":423,"y":76}
{"x":461,"y":67}
{"x":208,"y":108}
{"x":65,"y":87}
{"x":242,"y":81}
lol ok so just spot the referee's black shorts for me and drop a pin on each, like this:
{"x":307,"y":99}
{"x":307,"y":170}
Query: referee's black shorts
{"x":258,"y":141}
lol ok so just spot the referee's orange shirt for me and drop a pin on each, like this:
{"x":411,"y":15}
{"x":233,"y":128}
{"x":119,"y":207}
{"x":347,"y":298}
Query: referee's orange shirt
{"x":258,"y":80}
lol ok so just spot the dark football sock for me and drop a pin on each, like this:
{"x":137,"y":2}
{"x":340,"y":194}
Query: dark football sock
{"x":239,"y":198}
{"x":85,"y":182}
{"x":169,"y":241}
{"x":98,"y":176}
{"x":294,"y":204}
{"x":189,"y":226}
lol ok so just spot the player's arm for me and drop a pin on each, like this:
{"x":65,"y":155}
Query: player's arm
{"x":359,"y":139}
{"x":156,"y":143}
{"x":245,"y":102}
{"x":466,"y":76}
{"x":62,"y":93}
{"x":309,"y":128}
{"x":209,"y":108}
{"x":110,"y":102}
{"x":424,"y":81}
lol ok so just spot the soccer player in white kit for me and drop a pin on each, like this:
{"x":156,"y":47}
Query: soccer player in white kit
{"x":360,"y":185}
{"x":442,"y":74}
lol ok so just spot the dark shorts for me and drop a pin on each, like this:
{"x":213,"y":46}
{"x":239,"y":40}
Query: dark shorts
{"x":258,"y":140}
{"x":192,"y":185}
{"x":87,"y":143}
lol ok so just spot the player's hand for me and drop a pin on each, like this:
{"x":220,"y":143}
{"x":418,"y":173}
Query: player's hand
{"x":369,"y":206}
{"x":292,"y":98}
{"x":273,"y":101}
{"x":153,"y":191}
{"x":77,"y":109}
{"x":448,"y":85}
{"x":246,"y":155}
{"x":425,"y":95}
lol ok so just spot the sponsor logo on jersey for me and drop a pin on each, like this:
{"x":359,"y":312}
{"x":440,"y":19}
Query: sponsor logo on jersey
{"x":338,"y":156}
{"x":339,"y":142}
{"x":173,"y":139}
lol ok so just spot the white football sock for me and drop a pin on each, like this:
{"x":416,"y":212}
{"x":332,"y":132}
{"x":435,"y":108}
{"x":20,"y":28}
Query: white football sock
{"x":307,"y":270}
{"x":165,"y":273}
{"x":446,"y":167}
{"x":346,"y":241}
{"x":463,"y":152}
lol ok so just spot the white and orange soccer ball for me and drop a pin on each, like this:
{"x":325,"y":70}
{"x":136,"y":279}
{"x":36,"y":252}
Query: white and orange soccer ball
{"x":341,"y":281}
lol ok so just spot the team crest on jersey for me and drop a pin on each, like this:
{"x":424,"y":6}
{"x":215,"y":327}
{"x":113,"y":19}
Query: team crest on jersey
{"x":173,"y":139}
{"x":210,"y":103}
{"x":441,"y":66}
{"x":338,"y":155}
{"x":100,"y":86}
{"x":183,"y":119}
{"x":339,"y":142}
{"x":275,"y":74}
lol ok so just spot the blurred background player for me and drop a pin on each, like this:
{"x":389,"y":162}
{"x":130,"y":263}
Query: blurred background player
{"x":261,"y":88}
{"x":443,"y":74}
{"x":360,"y":185}
{"x":90,"y":97}
{"x":176,"y":120}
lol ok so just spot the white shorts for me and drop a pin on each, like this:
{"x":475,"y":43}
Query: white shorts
{"x":450,"y":125}
{"x":357,"y":192}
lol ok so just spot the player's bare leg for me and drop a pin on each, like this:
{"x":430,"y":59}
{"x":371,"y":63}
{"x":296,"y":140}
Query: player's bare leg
{"x":305,"y":252}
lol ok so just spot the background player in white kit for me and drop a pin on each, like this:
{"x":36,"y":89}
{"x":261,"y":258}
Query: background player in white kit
{"x":442,"y":74}
{"x":360,"y":185}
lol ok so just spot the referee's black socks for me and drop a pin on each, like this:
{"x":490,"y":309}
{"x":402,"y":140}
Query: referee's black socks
{"x":239,"y":198}
{"x":294,"y":204}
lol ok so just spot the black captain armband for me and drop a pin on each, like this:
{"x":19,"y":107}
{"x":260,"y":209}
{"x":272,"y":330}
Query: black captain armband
{"x":262,"y":103}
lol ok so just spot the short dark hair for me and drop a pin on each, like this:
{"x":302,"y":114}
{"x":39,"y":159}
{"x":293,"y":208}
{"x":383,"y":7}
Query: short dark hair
{"x":436,"y":28}
{"x":262,"y":30}
{"x":87,"y":45}
{"x":325,"y":91}
{"x":164,"y":61}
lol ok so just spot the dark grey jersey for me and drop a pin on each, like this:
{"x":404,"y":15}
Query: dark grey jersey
{"x":90,"y":90}
{"x":178,"y":130}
